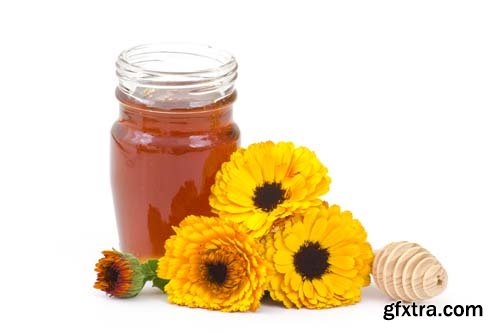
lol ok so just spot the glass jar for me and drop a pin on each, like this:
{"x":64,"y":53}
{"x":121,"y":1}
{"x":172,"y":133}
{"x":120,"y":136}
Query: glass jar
{"x":174,"y":131}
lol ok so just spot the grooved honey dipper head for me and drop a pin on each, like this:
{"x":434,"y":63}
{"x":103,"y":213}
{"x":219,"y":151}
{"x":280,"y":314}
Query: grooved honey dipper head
{"x":407,"y":271}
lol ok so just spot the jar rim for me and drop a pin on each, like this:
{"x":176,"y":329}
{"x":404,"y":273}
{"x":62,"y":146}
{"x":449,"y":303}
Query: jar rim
{"x":160,"y":63}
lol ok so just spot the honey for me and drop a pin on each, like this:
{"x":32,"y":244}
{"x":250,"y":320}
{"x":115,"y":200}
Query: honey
{"x":175,"y":129}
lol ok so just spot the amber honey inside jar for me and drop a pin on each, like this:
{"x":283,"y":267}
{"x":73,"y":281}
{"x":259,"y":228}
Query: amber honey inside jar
{"x":175,"y":129}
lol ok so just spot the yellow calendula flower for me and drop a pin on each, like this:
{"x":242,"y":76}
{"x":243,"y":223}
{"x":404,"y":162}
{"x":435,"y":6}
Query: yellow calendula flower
{"x":319,"y":260}
{"x":267,"y":182}
{"x":213,"y":264}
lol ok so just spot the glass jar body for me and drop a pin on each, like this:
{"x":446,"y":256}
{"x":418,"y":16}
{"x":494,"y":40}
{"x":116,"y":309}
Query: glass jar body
{"x":163,"y":164}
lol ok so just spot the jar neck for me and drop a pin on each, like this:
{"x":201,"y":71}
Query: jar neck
{"x":176,"y":75}
{"x":205,"y":118}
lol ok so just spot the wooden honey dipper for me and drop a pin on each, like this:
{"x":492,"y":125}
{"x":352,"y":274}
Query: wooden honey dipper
{"x":406,"y":271}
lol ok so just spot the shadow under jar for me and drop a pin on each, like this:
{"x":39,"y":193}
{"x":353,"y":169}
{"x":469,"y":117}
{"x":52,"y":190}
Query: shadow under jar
{"x":174,"y":130}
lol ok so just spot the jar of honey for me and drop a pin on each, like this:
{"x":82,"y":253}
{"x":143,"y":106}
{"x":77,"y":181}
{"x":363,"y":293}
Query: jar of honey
{"x":175,"y":129}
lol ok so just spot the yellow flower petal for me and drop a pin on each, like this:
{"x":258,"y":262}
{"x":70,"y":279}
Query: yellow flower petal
{"x":318,"y":230}
{"x":320,"y":287}
{"x":293,"y":242}
{"x":255,"y":221}
{"x":282,"y":258}
{"x":352,"y":250}
{"x":339,"y":284}
{"x":295,"y":281}
{"x":308,"y":289}
{"x":341,"y":262}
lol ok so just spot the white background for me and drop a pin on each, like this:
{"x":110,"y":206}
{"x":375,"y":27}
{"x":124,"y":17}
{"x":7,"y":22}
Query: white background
{"x":400,"y":99}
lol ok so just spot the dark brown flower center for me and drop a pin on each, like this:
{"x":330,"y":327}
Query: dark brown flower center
{"x":268,"y":196}
{"x":216,"y":272}
{"x":311,"y":261}
{"x":111,"y":276}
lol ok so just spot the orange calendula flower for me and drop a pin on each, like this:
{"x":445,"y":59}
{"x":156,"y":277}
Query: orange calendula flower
{"x":119,"y":274}
{"x":267,"y":182}
{"x":320,"y":259}
{"x":213,"y":264}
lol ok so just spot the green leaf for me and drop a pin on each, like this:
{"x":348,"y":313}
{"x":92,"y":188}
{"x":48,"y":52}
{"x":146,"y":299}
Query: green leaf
{"x":149,"y":269}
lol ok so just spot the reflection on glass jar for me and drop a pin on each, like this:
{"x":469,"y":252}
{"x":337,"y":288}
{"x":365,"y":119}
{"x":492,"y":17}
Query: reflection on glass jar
{"x":174,"y":130}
